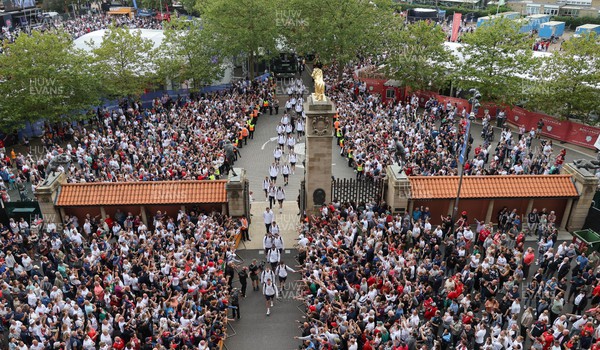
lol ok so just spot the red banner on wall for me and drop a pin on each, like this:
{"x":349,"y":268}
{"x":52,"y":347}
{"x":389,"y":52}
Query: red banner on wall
{"x":456,"y":21}
{"x":583,"y":135}
{"x":554,"y":128}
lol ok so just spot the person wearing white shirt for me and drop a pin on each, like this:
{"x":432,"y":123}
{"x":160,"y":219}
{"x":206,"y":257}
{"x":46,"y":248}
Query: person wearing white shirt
{"x":280,"y":196}
{"x":268,"y":217}
{"x":270,"y":292}
{"x":277,"y":155}
{"x":282,"y":272}
{"x":268,"y":242}
{"x":300,"y":128}
{"x":273,"y":257}
{"x":278,"y":241}
{"x":480,"y":333}
{"x":266,"y":186}
{"x":273,"y":172}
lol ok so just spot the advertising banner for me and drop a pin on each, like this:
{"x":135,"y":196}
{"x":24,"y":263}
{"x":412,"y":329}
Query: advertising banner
{"x":456,"y":21}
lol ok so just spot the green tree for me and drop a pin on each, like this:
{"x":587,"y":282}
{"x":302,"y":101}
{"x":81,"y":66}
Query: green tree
{"x":42,"y":76}
{"x":418,"y":57}
{"x":124,"y":62}
{"x":336,"y":30}
{"x":569,"y":85}
{"x":496,"y":57}
{"x":189,"y":52}
{"x":245,"y":27}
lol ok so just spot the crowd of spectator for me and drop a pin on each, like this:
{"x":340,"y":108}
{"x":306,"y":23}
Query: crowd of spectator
{"x":373,"y":134}
{"x":117,"y":282}
{"x":373,"y":280}
{"x":175,"y":139}
{"x":81,"y":25}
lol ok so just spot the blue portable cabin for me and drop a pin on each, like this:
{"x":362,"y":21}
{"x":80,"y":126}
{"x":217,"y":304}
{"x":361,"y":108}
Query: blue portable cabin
{"x":548,"y":29}
{"x":510,"y":15}
{"x":587,"y":28}
{"x":524,"y":25}
{"x":482,"y":20}
{"x":537,"y":20}
{"x":441,"y":15}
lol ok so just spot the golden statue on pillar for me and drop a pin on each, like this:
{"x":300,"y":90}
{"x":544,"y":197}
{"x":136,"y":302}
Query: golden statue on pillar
{"x":317,"y":75}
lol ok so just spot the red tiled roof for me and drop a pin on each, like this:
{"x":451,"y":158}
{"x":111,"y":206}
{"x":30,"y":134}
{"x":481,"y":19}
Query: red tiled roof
{"x":129,"y":193}
{"x":509,"y":186}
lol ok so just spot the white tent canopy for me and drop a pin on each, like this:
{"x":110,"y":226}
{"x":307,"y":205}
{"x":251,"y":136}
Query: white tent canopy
{"x":155,"y":35}
{"x":92,"y":40}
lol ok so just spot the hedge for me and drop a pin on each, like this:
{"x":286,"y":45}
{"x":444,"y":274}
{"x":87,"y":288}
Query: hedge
{"x":573,"y":22}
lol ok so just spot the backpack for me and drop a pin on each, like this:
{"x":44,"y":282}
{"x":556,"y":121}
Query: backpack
{"x":235,"y":298}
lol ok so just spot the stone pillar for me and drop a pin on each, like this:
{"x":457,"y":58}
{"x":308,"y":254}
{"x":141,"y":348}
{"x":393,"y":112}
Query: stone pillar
{"x":143,"y":215}
{"x":398,"y":190}
{"x":490,"y":211}
{"x":563,"y":221}
{"x":46,"y":194}
{"x":587,"y":184}
{"x":529,"y":206}
{"x":319,"y":134}
{"x":236,"y":194}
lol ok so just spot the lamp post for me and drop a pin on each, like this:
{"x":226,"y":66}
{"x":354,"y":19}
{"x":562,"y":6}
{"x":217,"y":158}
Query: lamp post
{"x":474,"y":102}
{"x":461,"y":162}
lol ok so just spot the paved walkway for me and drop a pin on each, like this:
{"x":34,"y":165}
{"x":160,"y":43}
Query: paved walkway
{"x":256,"y":330}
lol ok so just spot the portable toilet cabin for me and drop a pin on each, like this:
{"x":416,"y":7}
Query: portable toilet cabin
{"x":441,"y":15}
{"x":538,"y":19}
{"x":587,"y":28}
{"x":524,"y":25}
{"x":482,"y":20}
{"x":548,"y":29}
{"x":510,"y":15}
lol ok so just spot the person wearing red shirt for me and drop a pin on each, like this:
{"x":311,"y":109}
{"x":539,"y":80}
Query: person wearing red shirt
{"x":109,"y":221}
{"x":118,"y":344}
{"x":547,"y":339}
{"x":596,"y":294}
{"x":527,"y":261}
{"x":485,"y":232}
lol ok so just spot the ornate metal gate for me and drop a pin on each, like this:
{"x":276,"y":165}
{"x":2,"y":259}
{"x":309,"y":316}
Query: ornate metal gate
{"x":353,"y":190}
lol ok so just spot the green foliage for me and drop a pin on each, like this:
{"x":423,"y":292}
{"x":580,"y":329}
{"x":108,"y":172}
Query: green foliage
{"x":574,"y":22}
{"x":418,"y":57}
{"x":490,"y":10}
{"x":189,"y":52}
{"x":496,"y":57}
{"x":43,"y":77}
{"x":123,"y":62}
{"x":571,"y":87}
{"x":336,"y":30}
{"x":245,"y":27}
{"x":60,"y":6}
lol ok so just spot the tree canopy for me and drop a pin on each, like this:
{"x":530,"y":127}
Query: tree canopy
{"x":189,"y":52}
{"x":570,"y":85}
{"x":336,"y":30}
{"x":42,"y":76}
{"x":244,"y":27}
{"x":497,"y":57}
{"x":417,"y":56}
{"x":123,"y":62}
